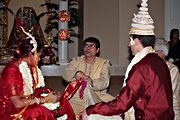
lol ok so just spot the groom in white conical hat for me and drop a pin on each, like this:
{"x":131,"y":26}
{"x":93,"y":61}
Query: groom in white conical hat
{"x":147,"y":85}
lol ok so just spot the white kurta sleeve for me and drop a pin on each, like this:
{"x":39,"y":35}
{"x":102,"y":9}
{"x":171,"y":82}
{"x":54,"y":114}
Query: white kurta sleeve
{"x":175,"y":78}
{"x":69,"y":72}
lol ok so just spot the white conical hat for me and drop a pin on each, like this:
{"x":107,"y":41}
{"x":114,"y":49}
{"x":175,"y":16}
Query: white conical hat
{"x":142,"y":22}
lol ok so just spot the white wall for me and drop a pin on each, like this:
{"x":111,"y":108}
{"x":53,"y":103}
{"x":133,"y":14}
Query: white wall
{"x":101,"y":21}
{"x":172,"y":16}
{"x":110,"y":20}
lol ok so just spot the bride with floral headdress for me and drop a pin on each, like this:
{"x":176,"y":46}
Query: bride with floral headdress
{"x":22,"y":89}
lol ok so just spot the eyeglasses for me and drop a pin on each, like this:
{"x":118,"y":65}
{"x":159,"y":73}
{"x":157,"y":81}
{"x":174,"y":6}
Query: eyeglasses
{"x":89,"y":45}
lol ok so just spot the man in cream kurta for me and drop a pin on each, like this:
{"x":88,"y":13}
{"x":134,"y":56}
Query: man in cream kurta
{"x":175,"y":79}
{"x":97,"y":71}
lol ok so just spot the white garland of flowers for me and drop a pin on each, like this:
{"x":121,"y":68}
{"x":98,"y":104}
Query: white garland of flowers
{"x":28,"y":86}
{"x":27,"y":78}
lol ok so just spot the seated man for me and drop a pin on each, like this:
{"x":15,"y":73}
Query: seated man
{"x":162,"y":49}
{"x":93,"y":71}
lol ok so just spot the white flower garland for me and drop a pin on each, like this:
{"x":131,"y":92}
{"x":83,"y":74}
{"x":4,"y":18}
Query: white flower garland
{"x":28,"y":86}
{"x":27,"y":78}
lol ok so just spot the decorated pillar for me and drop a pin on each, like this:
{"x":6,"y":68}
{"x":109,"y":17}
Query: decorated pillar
{"x":63,"y":34}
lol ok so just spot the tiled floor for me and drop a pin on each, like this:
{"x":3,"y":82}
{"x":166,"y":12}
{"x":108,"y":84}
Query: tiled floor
{"x":56,"y":82}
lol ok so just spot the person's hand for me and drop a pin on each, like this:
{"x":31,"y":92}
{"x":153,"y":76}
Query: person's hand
{"x":79,"y":75}
{"x":58,"y":94}
{"x":88,"y":80}
{"x":52,"y":97}
{"x":82,"y":115}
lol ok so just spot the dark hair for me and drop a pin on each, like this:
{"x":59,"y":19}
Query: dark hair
{"x":146,"y":40}
{"x":172,"y":32}
{"x":92,"y":40}
{"x":25,"y":48}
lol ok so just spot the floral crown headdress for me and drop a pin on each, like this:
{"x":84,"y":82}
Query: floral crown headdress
{"x":142,"y":23}
{"x":33,"y":40}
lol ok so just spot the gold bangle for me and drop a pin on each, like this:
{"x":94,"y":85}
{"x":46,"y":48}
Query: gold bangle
{"x":37,"y":100}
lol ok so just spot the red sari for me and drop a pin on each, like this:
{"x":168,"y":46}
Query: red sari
{"x":11,"y":84}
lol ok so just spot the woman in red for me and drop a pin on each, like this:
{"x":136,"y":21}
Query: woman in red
{"x":22,"y":89}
